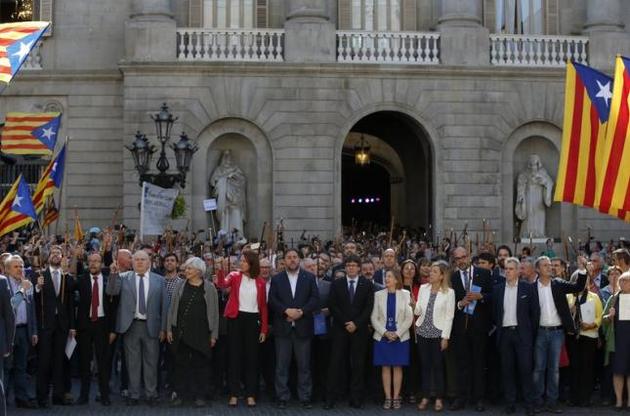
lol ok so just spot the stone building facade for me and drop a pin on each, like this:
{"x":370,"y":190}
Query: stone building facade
{"x":452,"y":97}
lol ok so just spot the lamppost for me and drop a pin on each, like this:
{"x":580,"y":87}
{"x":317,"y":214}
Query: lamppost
{"x":142,"y":152}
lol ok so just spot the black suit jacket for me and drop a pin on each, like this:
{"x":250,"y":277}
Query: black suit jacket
{"x":84,"y":285}
{"x":560,"y":289}
{"x":480,"y":320}
{"x":281,"y":298}
{"x":527,"y":311}
{"x":358,"y":311}
{"x":52,"y":309}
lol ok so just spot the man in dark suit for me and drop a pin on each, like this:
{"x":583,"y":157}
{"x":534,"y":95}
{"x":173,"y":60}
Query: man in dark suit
{"x":95,"y":325}
{"x":473,"y":290}
{"x":554,"y":319}
{"x":293,"y":298}
{"x":7,"y":327}
{"x":389,"y":262}
{"x":515,"y":312}
{"x":350,"y":303}
{"x":21,"y":290}
{"x":54,"y":304}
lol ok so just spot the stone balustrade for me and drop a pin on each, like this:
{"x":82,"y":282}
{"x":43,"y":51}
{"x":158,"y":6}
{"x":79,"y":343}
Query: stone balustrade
{"x":196,"y":44}
{"x":388,"y":47}
{"x":34,"y":59}
{"x":537,"y":50}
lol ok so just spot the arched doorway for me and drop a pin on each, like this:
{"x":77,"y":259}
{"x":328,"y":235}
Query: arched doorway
{"x":400,"y":173}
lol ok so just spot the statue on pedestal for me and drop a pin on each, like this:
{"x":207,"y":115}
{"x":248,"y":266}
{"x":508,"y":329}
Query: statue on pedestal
{"x":533,"y":197}
{"x":229,"y":184}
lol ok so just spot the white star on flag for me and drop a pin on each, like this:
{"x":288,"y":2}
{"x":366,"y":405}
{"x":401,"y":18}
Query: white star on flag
{"x":604,"y":92}
{"x":17,"y":202}
{"x":24,"y":50}
{"x":54,"y":167}
{"x":48,"y":133}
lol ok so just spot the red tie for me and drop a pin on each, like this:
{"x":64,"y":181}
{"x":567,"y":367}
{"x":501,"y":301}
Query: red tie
{"x":95,"y":299}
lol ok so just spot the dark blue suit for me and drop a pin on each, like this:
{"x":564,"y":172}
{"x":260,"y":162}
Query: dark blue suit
{"x":515,"y":343}
{"x":293,"y":337}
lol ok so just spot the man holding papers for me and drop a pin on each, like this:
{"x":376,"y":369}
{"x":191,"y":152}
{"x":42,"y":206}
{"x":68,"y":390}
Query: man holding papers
{"x":473,"y":287}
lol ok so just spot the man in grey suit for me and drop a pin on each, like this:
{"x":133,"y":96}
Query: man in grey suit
{"x":142,"y":312}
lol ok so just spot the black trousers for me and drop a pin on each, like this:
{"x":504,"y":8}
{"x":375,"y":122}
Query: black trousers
{"x":347,"y":350}
{"x":51,"y":363}
{"x":470,"y":351}
{"x":192,"y":368}
{"x":267,"y":364}
{"x":411,"y":373}
{"x":431,"y":361}
{"x":243,"y":332}
{"x":94,"y":340}
{"x":582,"y":369}
{"x":516,"y":361}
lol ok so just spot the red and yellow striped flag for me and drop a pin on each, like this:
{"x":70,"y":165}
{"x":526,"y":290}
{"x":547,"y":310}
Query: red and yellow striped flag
{"x":613,"y":182}
{"x":16,"y":41}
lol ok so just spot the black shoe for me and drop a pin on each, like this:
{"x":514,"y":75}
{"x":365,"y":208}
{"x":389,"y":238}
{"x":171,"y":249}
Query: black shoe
{"x":43,"y":404}
{"x":539,"y":409}
{"x":62,"y":401}
{"x":26,"y":404}
{"x":329,"y":405}
{"x":82,"y":400}
{"x":105,"y":401}
{"x":307,"y":404}
{"x":457,"y":405}
{"x":553,"y":408}
{"x":480,"y":407}
{"x":132,"y":402}
{"x":282,"y":404}
{"x":152,"y":402}
{"x":510,"y":409}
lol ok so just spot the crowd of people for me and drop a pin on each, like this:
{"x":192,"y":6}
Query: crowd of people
{"x":181,"y":322}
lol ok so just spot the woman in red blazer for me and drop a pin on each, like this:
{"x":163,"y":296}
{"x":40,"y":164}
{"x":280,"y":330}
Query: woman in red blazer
{"x":247,"y":324}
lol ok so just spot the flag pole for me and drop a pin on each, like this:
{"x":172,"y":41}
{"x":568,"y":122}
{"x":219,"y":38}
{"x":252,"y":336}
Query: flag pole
{"x":63,"y":181}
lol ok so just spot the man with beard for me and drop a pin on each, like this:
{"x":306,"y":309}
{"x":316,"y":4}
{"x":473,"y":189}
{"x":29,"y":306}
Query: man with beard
{"x":54,"y":304}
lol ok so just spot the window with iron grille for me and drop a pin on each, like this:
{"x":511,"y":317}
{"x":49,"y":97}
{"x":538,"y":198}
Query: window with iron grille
{"x":31,"y":169}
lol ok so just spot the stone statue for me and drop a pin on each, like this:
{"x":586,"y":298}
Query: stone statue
{"x":229,"y":184}
{"x":533,"y":197}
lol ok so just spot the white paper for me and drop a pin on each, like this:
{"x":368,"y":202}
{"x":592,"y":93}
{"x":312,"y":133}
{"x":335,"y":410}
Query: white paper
{"x":70,"y":346}
{"x":210,"y":204}
{"x":156,"y":206}
{"x":588,"y":312}
{"x":624,"y":307}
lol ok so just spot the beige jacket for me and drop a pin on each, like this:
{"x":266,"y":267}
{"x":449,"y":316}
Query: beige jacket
{"x":404,"y":314}
{"x":443,"y":309}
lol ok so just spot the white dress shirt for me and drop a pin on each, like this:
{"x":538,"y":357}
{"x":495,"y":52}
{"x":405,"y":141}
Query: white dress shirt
{"x":99,"y":280}
{"x":293,"y":277}
{"x":247,"y":295}
{"x":548,"y":312}
{"x":139,"y":315}
{"x":509,"y":305}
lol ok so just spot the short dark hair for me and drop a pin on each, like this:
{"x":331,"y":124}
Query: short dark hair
{"x":504,"y":247}
{"x":251,"y":257}
{"x":352,"y":259}
{"x":171,"y":254}
{"x":622,"y":254}
{"x":488,"y":257}
{"x":561,"y":260}
{"x":295,"y":250}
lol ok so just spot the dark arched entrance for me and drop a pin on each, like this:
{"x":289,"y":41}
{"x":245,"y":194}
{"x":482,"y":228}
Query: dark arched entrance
{"x":402,"y":161}
{"x":365,"y":193}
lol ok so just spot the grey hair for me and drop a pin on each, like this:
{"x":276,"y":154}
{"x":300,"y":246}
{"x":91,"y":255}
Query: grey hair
{"x":12,"y":258}
{"x":539,"y":259}
{"x":308,"y":262}
{"x":197,"y":264}
{"x":513,"y":260}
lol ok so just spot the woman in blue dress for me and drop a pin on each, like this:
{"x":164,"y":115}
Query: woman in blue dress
{"x":392,"y":316}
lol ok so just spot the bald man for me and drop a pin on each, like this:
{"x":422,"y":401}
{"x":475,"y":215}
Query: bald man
{"x":141,"y":319}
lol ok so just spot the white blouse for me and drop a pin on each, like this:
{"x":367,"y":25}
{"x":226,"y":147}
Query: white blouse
{"x":248,"y":295}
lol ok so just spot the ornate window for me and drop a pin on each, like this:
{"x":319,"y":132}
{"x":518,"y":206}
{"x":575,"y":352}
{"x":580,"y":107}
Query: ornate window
{"x":530,"y":17}
{"x":371,"y":15}
{"x":229,"y":14}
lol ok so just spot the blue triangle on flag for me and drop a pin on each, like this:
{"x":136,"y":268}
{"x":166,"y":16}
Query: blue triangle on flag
{"x":47,"y":133}
{"x":22,"y":202}
{"x":19,"y":50}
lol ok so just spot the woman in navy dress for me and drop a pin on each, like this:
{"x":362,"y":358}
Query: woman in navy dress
{"x":392,"y":317}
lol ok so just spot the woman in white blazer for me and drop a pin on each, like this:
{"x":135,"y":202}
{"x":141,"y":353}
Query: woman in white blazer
{"x":392,"y":316}
{"x":435,"y":309}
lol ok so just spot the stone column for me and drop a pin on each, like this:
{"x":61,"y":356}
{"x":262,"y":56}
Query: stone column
{"x":310,"y":36}
{"x":150,"y":32}
{"x":606,"y":33}
{"x":463,"y":40}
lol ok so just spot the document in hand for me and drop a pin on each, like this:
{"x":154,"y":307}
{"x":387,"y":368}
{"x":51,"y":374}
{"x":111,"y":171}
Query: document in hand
{"x":587,"y":309}
{"x":470,"y":308}
{"x":624,"y":307}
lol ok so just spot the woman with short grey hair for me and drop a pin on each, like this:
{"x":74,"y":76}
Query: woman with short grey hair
{"x":193,"y":329}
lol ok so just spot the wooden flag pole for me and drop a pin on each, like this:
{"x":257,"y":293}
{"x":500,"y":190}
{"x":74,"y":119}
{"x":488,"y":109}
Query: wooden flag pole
{"x":391,"y":232}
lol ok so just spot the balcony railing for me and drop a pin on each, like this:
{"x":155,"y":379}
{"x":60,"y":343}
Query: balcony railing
{"x":388,"y":47}
{"x":195,"y":44}
{"x":34,"y":58}
{"x":537,"y":50}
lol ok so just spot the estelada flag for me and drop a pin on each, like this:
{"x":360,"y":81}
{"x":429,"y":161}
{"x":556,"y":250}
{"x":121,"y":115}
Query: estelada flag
{"x":16,"y":209}
{"x":30,"y":133}
{"x":52,"y":213}
{"x":588,"y":95}
{"x":16,"y":41}
{"x":78,"y":231}
{"x":613,"y":182}
{"x":52,"y":178}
